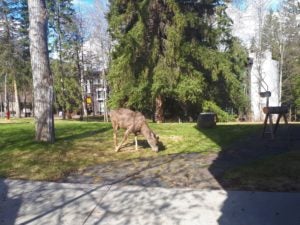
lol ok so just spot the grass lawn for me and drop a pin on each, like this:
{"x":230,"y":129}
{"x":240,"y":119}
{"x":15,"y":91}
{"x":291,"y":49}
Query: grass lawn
{"x":81,"y":144}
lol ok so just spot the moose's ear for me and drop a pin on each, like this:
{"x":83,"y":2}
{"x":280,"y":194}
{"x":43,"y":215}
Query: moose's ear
{"x":157,"y":137}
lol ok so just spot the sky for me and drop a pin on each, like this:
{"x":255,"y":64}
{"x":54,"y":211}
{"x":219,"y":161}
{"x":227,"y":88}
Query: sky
{"x":245,"y":19}
{"x":85,"y":3}
{"x":273,"y":4}
{"x":244,"y":26}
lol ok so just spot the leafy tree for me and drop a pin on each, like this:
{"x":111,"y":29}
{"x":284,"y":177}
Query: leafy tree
{"x":291,"y":60}
{"x":14,"y":44}
{"x":76,"y":51}
{"x":281,"y":36}
{"x":63,"y":30}
{"x":69,"y":93}
{"x":271,"y":38}
{"x":173,"y":50}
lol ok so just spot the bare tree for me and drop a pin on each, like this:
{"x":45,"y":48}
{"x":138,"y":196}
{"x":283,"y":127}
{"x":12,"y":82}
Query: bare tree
{"x":257,"y":11}
{"x":42,"y":78}
{"x":99,"y":53}
{"x":80,"y":60}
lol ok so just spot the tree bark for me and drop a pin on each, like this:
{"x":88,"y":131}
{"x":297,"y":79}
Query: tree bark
{"x":25,"y":104}
{"x":17,"y":99}
{"x":83,"y":110}
{"x":42,"y":77}
{"x":6,"y":102}
{"x":159,"y":111}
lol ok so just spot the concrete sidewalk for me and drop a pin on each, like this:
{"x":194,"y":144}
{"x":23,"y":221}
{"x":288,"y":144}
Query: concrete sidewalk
{"x":26,"y":202}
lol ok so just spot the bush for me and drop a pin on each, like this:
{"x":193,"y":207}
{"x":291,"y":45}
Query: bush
{"x":222,"y":116}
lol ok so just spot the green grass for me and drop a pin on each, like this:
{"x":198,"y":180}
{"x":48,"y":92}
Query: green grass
{"x":275,"y":173}
{"x":82,"y":144}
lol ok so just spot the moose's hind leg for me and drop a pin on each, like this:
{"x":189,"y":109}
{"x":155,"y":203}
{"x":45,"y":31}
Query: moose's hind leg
{"x":116,"y":140}
{"x":127,"y":132}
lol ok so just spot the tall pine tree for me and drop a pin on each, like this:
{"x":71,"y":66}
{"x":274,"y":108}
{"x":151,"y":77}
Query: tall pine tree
{"x":173,"y":51}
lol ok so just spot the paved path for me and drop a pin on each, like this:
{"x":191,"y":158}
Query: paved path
{"x":25,"y":202}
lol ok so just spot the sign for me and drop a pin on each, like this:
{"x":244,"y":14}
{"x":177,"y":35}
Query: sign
{"x":88,"y":100}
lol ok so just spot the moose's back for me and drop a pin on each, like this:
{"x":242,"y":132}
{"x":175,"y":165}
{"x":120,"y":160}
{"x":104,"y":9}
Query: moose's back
{"x":124,"y":118}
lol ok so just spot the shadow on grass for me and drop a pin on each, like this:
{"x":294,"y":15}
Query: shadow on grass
{"x":246,"y":151}
{"x":23,"y":139}
{"x":24,"y":158}
{"x":144,"y":144}
{"x":83,"y":134}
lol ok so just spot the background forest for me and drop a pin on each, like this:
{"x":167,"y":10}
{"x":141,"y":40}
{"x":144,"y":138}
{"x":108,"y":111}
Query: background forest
{"x":169,"y":59}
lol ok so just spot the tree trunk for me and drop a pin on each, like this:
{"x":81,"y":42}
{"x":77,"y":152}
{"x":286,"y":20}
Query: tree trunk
{"x":42,"y":78}
{"x":6,"y":103}
{"x":25,"y":104}
{"x":17,"y":99}
{"x":32,"y":104}
{"x":159,"y":110}
{"x":83,"y":110}
{"x":282,"y":53}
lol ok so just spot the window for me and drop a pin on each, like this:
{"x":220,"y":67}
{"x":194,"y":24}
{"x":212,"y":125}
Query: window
{"x":100,"y":94}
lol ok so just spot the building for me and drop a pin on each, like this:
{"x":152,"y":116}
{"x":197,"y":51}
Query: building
{"x":263,"y":74}
{"x":95,"y":66}
{"x":96,"y":90}
{"x":268,"y":81}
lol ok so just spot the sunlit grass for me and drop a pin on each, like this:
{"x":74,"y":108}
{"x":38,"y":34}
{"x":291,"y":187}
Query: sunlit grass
{"x":82,"y":144}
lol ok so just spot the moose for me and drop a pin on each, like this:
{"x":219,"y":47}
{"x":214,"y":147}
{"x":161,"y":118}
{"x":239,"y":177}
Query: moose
{"x":133,"y":122}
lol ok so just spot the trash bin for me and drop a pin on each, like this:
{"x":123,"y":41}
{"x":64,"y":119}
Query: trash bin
{"x":8,"y":115}
{"x":206,"y":120}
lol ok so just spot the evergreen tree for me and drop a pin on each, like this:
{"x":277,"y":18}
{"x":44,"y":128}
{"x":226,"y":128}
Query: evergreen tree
{"x":291,"y":68}
{"x":172,"y":50}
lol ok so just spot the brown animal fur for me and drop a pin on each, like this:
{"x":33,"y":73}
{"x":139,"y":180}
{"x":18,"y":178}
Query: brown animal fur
{"x":133,"y":122}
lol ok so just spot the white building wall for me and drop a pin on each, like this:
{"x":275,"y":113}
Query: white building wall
{"x":270,"y":82}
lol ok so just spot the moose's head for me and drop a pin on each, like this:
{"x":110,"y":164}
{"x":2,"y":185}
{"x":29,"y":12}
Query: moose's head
{"x":153,"y":141}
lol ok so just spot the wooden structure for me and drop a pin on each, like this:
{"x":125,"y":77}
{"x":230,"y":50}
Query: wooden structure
{"x":281,"y":111}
